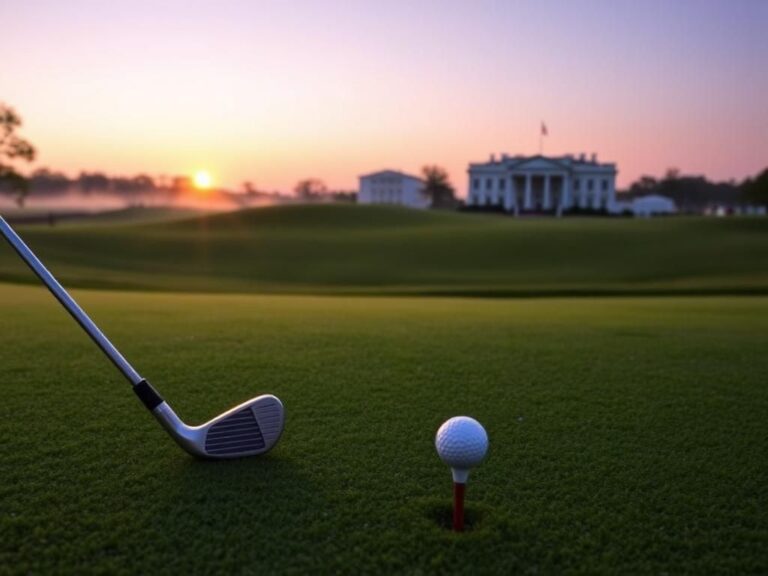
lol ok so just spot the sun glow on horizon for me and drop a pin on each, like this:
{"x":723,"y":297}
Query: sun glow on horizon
{"x":202,"y":180}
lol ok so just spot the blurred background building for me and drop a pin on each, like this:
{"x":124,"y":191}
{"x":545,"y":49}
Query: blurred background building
{"x":542,"y":184}
{"x":392,"y":187}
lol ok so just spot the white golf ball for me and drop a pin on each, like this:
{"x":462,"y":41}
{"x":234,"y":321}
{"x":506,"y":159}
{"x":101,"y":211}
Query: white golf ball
{"x":461,"y":442}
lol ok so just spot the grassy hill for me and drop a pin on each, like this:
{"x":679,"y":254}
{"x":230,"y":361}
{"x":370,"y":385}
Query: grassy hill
{"x":386,"y":250}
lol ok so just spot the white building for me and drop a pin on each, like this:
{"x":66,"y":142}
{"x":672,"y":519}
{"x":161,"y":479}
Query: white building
{"x":653,"y":204}
{"x":392,"y":187}
{"x":542,"y":184}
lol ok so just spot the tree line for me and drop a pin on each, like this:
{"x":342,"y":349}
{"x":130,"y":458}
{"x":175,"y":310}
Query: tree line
{"x":694,"y":193}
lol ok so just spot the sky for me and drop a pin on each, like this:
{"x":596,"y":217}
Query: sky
{"x":273,"y":92}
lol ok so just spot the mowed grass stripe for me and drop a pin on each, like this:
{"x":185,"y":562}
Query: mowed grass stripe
{"x":627,"y":435}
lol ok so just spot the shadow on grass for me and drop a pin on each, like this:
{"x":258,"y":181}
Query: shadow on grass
{"x":436,"y":515}
{"x":442,"y":515}
{"x":266,"y":481}
{"x":254,"y":510}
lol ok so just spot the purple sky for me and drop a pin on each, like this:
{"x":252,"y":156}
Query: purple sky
{"x":272,"y":92}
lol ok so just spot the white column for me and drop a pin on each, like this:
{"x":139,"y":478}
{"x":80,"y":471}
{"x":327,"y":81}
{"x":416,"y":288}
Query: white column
{"x":611,"y":192}
{"x":565,"y":195}
{"x":527,"y":191}
{"x":547,"y":193}
{"x":508,"y":194}
{"x":513,"y":192}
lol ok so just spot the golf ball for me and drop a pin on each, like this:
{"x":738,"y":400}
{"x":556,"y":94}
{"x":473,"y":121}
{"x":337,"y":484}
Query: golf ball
{"x":461,"y":442}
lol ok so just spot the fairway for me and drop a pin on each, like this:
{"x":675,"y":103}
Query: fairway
{"x":338,"y":249}
{"x":627,"y":435}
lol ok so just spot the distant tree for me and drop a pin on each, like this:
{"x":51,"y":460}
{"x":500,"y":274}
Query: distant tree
{"x":671,"y":184}
{"x":12,"y":147}
{"x":646,"y":185}
{"x":181,"y":184}
{"x":49,"y":182}
{"x":438,"y":188}
{"x":143,"y":183}
{"x":343,"y":196}
{"x":93,"y":181}
{"x":755,"y":190}
{"x":310,"y":189}
{"x":248,"y":188}
{"x":162,"y":181}
{"x":672,"y":174}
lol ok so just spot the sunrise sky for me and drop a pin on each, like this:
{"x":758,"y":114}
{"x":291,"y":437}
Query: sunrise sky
{"x":272,"y":92}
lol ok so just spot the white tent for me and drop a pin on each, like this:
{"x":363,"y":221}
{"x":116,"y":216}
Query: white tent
{"x":653,"y":204}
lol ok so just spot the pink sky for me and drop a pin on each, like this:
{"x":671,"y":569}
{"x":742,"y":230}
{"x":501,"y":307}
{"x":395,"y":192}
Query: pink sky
{"x":274,"y":92}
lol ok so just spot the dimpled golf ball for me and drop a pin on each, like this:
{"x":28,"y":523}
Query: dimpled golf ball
{"x":461,"y":442}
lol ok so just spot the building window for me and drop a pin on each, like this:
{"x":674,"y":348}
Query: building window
{"x":589,"y":184}
{"x":502,"y":183}
{"x":476,"y":183}
{"x":488,"y":183}
{"x":576,"y":184}
{"x":605,"y":185}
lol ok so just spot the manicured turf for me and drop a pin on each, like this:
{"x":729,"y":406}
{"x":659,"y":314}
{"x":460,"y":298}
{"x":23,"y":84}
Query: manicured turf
{"x":130,"y":215}
{"x":136,"y":215}
{"x":628,"y":436}
{"x":381,"y":250}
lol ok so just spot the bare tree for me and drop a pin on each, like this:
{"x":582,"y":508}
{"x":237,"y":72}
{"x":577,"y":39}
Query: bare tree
{"x":13,"y":147}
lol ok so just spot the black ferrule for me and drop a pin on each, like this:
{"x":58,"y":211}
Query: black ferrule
{"x":148,"y":395}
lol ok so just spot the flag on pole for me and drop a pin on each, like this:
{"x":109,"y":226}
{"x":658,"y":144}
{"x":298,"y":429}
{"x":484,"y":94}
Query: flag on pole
{"x":544,"y":129}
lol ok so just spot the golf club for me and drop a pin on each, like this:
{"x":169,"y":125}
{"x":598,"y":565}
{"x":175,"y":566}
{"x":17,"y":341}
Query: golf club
{"x":248,"y":429}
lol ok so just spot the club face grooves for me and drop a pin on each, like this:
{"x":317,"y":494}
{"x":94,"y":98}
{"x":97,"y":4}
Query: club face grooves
{"x":235,"y":434}
{"x":250,"y":429}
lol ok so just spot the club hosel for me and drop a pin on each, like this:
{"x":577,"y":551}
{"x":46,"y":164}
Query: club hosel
{"x":190,"y":438}
{"x":148,"y":395}
{"x":460,"y":475}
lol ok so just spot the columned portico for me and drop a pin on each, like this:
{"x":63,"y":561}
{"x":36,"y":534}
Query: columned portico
{"x":541,"y":184}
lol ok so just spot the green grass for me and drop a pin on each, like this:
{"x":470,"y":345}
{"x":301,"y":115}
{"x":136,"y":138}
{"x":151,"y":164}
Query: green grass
{"x":628,"y":436}
{"x":135,"y":215}
{"x":367,"y":250}
{"x":129,"y":215}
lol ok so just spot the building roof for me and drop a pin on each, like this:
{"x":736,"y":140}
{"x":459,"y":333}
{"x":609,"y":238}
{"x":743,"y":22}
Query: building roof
{"x":389,"y":172}
{"x":568,"y":161}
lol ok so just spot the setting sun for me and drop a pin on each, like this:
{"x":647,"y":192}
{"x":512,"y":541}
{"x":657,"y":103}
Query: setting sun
{"x":202,"y":180}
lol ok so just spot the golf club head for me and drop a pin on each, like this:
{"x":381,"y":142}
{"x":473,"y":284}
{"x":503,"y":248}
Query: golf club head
{"x":249,"y":429}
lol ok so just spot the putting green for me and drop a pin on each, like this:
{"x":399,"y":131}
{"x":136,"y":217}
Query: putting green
{"x":627,"y":435}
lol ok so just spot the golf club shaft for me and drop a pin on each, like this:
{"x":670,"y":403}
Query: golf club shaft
{"x":66,"y":300}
